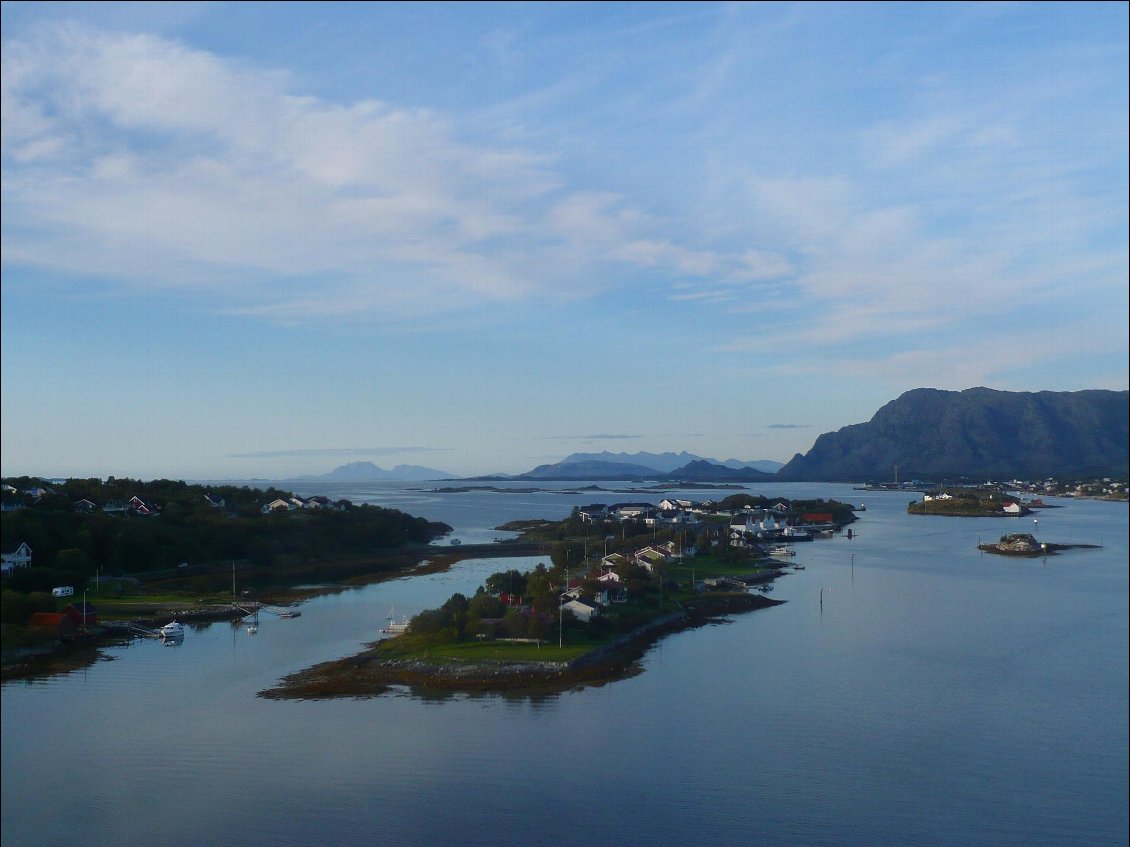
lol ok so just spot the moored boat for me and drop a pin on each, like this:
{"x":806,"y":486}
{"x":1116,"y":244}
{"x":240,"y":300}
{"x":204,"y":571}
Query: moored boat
{"x":395,"y":627}
{"x":171,"y":630}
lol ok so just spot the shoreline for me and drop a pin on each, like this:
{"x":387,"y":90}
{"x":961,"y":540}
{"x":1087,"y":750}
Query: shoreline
{"x":371,"y":674}
{"x":31,"y":658}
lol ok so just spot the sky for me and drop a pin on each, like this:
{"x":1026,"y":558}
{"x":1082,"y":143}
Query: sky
{"x":262,"y":240}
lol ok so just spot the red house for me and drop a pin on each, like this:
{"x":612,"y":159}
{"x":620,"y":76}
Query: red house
{"x":82,"y":613}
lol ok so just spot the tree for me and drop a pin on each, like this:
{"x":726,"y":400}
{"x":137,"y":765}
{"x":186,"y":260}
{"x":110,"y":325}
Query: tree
{"x":511,"y":582}
{"x":73,"y":560}
{"x":485,"y":606}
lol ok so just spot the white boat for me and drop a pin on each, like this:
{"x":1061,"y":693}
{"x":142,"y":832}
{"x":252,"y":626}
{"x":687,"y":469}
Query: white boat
{"x":291,"y":613}
{"x":171,"y":630}
{"x":252,"y":629}
{"x":395,"y":627}
{"x":781,"y":550}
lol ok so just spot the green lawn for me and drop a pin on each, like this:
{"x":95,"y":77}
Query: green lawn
{"x":482,"y":651}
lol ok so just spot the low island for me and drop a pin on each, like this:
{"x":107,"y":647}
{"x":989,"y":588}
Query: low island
{"x":987,"y":501}
{"x":1025,"y":545}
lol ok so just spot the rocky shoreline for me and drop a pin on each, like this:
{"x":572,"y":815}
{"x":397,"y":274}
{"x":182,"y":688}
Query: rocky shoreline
{"x":372,"y":673}
{"x":1025,"y":546}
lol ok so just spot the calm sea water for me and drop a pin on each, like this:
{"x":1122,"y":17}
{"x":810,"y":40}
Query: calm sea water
{"x":936,"y":696}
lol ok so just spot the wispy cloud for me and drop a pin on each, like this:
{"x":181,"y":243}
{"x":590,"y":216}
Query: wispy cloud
{"x":136,"y":159}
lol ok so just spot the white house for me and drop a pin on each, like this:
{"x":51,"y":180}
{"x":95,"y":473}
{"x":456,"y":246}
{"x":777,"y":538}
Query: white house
{"x":613,"y":560}
{"x":649,"y":557}
{"x":583,"y":611}
{"x":1012,"y":509}
{"x":20,"y":557}
{"x":278,"y":505}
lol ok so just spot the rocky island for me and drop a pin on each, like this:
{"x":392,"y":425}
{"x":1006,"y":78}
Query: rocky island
{"x":1026,"y":546}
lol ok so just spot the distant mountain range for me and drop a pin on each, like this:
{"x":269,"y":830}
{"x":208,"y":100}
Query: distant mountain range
{"x":667,"y":462}
{"x":977,"y":433}
{"x":368,"y":472}
{"x":683,"y":466}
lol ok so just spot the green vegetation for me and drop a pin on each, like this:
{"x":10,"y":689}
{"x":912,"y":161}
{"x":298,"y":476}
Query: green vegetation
{"x":988,"y":501}
{"x":73,"y":541}
{"x":537,"y":618}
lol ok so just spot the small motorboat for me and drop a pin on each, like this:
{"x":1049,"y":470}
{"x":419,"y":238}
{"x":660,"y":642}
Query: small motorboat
{"x":290,"y":613}
{"x":171,"y":630}
{"x":252,"y":629}
{"x":781,"y":551}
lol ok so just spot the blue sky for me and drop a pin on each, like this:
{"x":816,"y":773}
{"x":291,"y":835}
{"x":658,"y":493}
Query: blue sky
{"x":266,"y":239}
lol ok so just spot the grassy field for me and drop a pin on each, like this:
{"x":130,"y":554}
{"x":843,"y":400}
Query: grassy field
{"x":470,"y":652}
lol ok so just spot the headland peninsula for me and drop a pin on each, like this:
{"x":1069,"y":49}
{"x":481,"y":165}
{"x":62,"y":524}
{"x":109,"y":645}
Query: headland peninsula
{"x":621,"y":577}
{"x":89,"y":562}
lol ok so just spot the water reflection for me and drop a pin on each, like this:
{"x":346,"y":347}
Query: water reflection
{"x":942,"y":698}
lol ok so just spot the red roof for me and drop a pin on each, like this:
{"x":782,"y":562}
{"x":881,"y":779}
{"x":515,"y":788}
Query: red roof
{"x":46,"y":619}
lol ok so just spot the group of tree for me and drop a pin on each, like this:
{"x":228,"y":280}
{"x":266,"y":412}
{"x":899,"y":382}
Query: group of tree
{"x":71,"y":546}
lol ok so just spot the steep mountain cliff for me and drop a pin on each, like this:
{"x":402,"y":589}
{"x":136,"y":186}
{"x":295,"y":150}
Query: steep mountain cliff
{"x":979,"y":432}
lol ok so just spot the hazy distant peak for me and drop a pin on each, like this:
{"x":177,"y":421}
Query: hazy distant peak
{"x":368,"y":472}
{"x":667,"y":462}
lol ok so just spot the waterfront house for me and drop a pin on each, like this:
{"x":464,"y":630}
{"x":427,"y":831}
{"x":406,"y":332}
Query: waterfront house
{"x":1012,"y":508}
{"x":817,"y":518}
{"x":82,"y":613}
{"x":54,"y":623}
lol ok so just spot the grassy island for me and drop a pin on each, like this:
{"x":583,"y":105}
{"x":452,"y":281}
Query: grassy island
{"x":962,"y":502}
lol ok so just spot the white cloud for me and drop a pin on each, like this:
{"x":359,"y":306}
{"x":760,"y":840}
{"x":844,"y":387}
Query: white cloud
{"x":135,"y":158}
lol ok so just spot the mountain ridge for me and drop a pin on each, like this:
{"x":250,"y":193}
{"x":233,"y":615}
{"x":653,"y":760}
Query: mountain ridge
{"x":669,"y":462}
{"x":979,"y":432}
